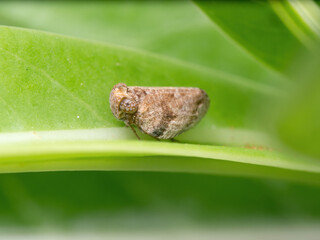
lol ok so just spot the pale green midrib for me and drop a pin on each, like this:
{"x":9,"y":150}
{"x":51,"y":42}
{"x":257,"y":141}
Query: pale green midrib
{"x":29,"y":153}
{"x":209,"y":134}
{"x":231,"y":78}
{"x":58,"y":145}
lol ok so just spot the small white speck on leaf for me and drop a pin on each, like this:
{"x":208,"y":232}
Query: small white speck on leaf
{"x":78,"y":116}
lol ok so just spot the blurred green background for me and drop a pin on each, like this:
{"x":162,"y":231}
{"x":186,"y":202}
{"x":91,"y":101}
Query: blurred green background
{"x":125,"y":201}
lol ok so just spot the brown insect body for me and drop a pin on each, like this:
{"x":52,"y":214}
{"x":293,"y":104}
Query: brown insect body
{"x":161,"y":112}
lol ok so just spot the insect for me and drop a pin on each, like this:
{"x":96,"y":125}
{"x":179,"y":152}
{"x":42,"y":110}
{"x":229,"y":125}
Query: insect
{"x":161,"y":112}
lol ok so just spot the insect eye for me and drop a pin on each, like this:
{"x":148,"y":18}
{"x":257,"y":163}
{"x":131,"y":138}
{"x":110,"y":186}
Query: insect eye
{"x":128,"y":106}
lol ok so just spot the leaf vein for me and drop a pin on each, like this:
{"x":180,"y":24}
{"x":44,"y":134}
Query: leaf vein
{"x":12,"y":110}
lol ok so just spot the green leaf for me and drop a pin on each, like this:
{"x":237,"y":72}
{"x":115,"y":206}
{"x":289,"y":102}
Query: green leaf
{"x":185,"y":34}
{"x":55,"y":116}
{"x":298,"y":118}
{"x":54,"y":83}
{"x":274,"y":31}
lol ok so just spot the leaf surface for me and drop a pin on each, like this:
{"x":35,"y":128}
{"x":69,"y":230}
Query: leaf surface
{"x":185,"y":34}
{"x":57,"y":83}
{"x":276,"y":32}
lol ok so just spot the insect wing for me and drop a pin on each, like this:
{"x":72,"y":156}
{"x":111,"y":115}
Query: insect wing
{"x":166,"y":112}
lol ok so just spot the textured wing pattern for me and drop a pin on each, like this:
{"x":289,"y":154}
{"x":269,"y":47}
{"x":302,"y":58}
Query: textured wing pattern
{"x":166,"y":112}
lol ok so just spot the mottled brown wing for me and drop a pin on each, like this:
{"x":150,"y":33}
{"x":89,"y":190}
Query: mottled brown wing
{"x":166,"y":112}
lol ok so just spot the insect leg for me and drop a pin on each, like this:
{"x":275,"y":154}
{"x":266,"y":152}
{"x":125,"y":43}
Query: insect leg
{"x":134,"y":131}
